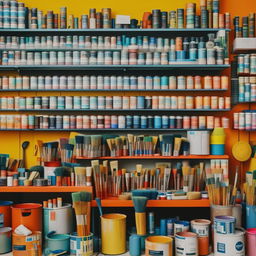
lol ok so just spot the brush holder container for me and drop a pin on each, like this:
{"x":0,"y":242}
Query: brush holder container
{"x":221,"y":210}
{"x":81,"y":245}
{"x":250,"y":216}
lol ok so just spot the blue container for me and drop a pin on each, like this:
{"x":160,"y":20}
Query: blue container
{"x":135,"y":245}
{"x":81,"y":244}
{"x":58,"y":242}
{"x":163,"y":227}
{"x":217,"y":149}
{"x":5,"y":240}
{"x":250,"y":216}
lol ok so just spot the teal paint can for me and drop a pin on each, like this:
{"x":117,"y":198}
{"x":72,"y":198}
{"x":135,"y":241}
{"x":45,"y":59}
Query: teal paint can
{"x":5,"y":240}
{"x":58,"y":242}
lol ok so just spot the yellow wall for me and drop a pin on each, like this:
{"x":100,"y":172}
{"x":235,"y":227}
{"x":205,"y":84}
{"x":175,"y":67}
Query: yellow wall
{"x":10,"y":142}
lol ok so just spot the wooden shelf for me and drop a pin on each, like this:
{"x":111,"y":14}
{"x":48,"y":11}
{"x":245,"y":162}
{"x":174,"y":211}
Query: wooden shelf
{"x":45,"y":189}
{"x":157,"y":157}
{"x":155,"y":203}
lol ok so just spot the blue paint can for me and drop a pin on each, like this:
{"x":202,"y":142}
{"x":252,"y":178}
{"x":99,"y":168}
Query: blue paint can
{"x":224,"y":224}
{"x":81,"y":245}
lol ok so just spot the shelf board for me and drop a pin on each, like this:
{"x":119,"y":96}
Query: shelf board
{"x":112,"y":31}
{"x":156,"y":157}
{"x":245,"y":74}
{"x":53,"y":49}
{"x":44,"y":189}
{"x":155,"y":203}
{"x":115,"y":90}
{"x":114,"y":110}
{"x":114,"y":67}
{"x":102,"y":130}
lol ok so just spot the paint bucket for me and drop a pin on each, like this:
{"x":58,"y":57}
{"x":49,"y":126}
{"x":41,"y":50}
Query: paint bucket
{"x":5,"y":214}
{"x":27,"y":245}
{"x":135,"y":245}
{"x":159,"y":245}
{"x":201,"y":227}
{"x":49,"y":168}
{"x":113,"y":233}
{"x":58,"y":219}
{"x":58,"y":242}
{"x":186,"y":243}
{"x":229,"y":244}
{"x":250,"y":216}
{"x":5,"y":240}
{"x":221,"y":210}
{"x":224,"y":224}
{"x":251,"y":241}
{"x":81,"y":245}
{"x":237,"y":213}
{"x":28,"y":214}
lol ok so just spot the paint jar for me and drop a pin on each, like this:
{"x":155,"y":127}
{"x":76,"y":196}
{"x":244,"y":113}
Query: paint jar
{"x":186,"y":243}
{"x":113,"y":225}
{"x":251,"y":241}
{"x":27,"y":245}
{"x":224,"y":224}
{"x":5,"y":240}
{"x":229,"y":244}
{"x":201,"y":227}
{"x":27,"y":214}
{"x":58,"y":219}
{"x":5,"y":213}
{"x":81,"y":245}
{"x":250,"y":216}
{"x":181,"y":226}
{"x":49,"y":168}
{"x":159,"y":245}
{"x":220,"y":210}
{"x":57,"y":242}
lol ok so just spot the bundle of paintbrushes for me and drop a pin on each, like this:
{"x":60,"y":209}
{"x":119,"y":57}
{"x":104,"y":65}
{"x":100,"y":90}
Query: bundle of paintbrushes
{"x":66,"y":150}
{"x":53,"y":203}
{"x":82,"y":205}
{"x":50,"y":151}
{"x":219,"y":189}
{"x":63,"y":176}
{"x":249,"y":188}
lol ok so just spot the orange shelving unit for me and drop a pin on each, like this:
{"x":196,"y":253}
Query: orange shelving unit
{"x":155,"y":203}
{"x":45,"y":189}
{"x":157,"y":157}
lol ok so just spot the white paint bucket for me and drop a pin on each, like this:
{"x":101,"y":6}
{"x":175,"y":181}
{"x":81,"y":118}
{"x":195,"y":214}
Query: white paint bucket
{"x":224,"y":224}
{"x":186,"y":244}
{"x":58,"y":219}
{"x":229,"y":244}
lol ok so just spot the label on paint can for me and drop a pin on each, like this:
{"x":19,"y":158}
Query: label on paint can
{"x":186,"y":245}
{"x":1,"y":220}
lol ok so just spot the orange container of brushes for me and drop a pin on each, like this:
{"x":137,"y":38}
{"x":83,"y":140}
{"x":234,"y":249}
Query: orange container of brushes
{"x":29,"y":215}
{"x":113,"y":233}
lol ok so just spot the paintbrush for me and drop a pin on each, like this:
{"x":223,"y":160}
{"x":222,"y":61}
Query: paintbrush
{"x":59,"y":173}
{"x":140,"y":203}
{"x":234,"y":191}
{"x":79,"y":145}
{"x":80,"y":176}
{"x":86,"y":198}
{"x":77,"y":205}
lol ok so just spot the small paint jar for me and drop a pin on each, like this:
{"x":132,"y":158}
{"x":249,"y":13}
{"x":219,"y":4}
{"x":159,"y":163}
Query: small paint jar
{"x":181,"y":82}
{"x":126,"y":102}
{"x":100,"y":122}
{"x":194,"y":122}
{"x":227,"y":103}
{"x":221,"y":103}
{"x":236,"y":120}
{"x":181,"y":102}
{"x":129,"y":122}
{"x":143,"y":122}
{"x":190,"y":83}
{"x":161,"y":102}
{"x":155,"y":102}
{"x":186,"y":122}
{"x":214,"y":102}
{"x":109,"y":102}
{"x":107,"y":122}
{"x":210,"y":122}
{"x":77,"y":102}
{"x":202,"y":122}
{"x":179,"y":122}
{"x":157,"y":122}
{"x":60,"y":102}
{"x":172,"y":83}
{"x":207,"y":104}
{"x":174,"y":102}
{"x":86,"y":122}
{"x":189,"y":102}
{"x":69,"y":102}
{"x":140,"y":102}
{"x":207,"y":82}
{"x":121,"y":122}
{"x":117,"y":102}
{"x":85,"y":102}
{"x":197,"y":81}
{"x":172,"y":122}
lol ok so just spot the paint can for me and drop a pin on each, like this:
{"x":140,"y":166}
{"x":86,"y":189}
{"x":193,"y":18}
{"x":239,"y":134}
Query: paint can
{"x":229,"y":244}
{"x":224,"y":224}
{"x":251,"y":241}
{"x":5,"y":240}
{"x":81,"y":245}
{"x":5,"y":213}
{"x":49,"y":168}
{"x":186,"y":244}
{"x":250,"y":216}
{"x":27,"y":245}
{"x":57,"y":242}
{"x":27,"y":214}
{"x":58,"y":219}
{"x":220,"y":210}
{"x":158,"y":245}
{"x":201,"y":227}
{"x":113,"y":225}
{"x":181,"y":226}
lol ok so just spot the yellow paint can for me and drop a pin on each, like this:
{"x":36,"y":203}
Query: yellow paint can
{"x":113,"y":233}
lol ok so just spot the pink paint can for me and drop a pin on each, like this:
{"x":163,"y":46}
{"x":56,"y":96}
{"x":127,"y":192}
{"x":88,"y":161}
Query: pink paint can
{"x":251,"y":241}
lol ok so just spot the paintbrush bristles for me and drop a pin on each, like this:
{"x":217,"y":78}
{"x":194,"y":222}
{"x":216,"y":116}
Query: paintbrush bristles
{"x":139,"y":203}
